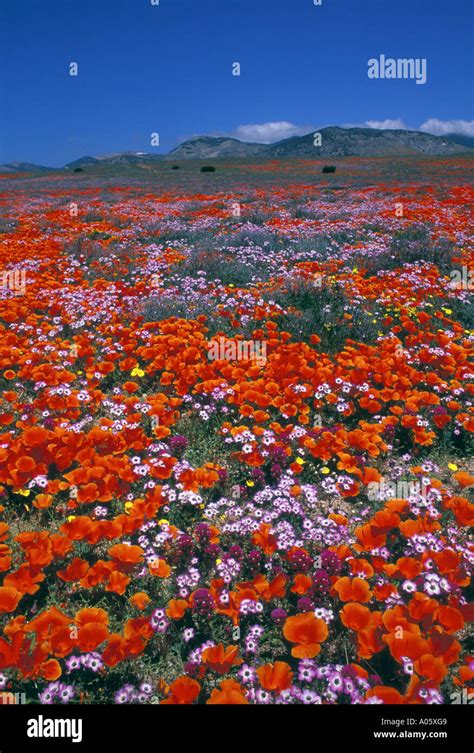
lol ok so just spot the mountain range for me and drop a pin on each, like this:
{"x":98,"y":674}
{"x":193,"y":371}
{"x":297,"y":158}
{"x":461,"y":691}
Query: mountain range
{"x":334,"y":142}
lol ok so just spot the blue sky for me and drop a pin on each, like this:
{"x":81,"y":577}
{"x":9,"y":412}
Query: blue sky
{"x":167,"y":69}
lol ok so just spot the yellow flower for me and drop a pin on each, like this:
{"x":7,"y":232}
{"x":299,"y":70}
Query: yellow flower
{"x":300,"y":461}
{"x":24,"y":492}
{"x":163,"y":522}
{"x":447,"y":311}
{"x":325,"y":470}
{"x":452,"y":466}
{"x":128,"y":505}
{"x":137,"y":372}
{"x":250,"y":483}
{"x":218,"y":562}
{"x":70,"y":517}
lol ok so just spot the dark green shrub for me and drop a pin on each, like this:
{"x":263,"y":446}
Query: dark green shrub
{"x":329,"y":169}
{"x":208,"y":169}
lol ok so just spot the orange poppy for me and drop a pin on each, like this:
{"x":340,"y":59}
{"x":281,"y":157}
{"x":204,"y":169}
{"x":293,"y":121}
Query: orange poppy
{"x":355,"y":616}
{"x":355,"y":589}
{"x":126,"y":556}
{"x":159,"y":568}
{"x":176,"y":608}
{"x":114,"y":651}
{"x":450,"y":618}
{"x":140,"y":600}
{"x":308,"y":632}
{"x":385,"y":694}
{"x":117,"y":583}
{"x":220,"y":659}
{"x":91,"y":614}
{"x":404,"y":643}
{"x":431,"y":668}
{"x":275,"y":677}
{"x":301,"y":584}
{"x":264,"y":539}
{"x":183,"y":690}
{"x":409,"y":567}
{"x":91,"y":635}
{"x":230,"y":694}
{"x":9,"y":598}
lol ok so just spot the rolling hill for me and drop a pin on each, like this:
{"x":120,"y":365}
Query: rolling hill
{"x":335,"y":142}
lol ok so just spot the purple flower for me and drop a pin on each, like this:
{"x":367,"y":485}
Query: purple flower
{"x":330,"y":562}
{"x":278,"y":615}
{"x":178,"y":444}
{"x":203,"y":602}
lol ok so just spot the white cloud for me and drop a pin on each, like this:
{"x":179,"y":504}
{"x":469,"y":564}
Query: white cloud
{"x":277,"y":130}
{"x":267,"y":133}
{"x":442,"y":127}
{"x":391,"y":124}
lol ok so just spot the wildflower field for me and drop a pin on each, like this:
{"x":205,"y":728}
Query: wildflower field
{"x":236,"y":426}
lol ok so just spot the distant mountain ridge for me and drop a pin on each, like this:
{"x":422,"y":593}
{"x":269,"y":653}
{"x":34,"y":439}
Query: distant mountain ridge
{"x":335,"y":142}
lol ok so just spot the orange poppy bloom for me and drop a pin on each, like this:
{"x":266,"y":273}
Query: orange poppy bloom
{"x":62,"y":641}
{"x":50,"y":670}
{"x":91,"y":635}
{"x":275,"y":677}
{"x":183,"y":690}
{"x":159,"y":568}
{"x":355,"y":616}
{"x":42,"y":501}
{"x":264,"y":539}
{"x":409,"y":567}
{"x":464,"y":479}
{"x":117,"y":583}
{"x":301,"y":584}
{"x":230,"y":694}
{"x":355,"y":589}
{"x":276,"y":588}
{"x":176,"y":608}
{"x":220,"y":659}
{"x":25,"y":579}
{"x":450,"y":618}
{"x":140,"y":600}
{"x":405,"y":643}
{"x":75,"y":570}
{"x":114,"y":651}
{"x":9,"y":598}
{"x":91,"y":614}
{"x":126,"y":556}
{"x":431,"y":668}
{"x":308,"y":632}
{"x":385,"y":694}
